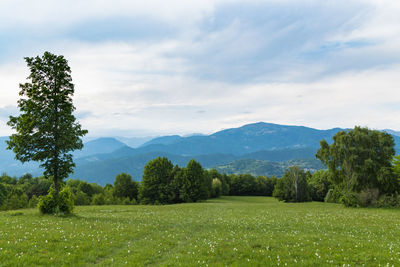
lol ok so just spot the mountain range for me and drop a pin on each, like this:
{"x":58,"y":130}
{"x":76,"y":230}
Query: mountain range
{"x":259,"y":148}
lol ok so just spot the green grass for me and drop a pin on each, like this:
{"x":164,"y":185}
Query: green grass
{"x":235,"y":231}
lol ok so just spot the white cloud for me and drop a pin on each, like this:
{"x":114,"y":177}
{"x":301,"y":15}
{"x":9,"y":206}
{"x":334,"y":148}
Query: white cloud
{"x":320,"y":65}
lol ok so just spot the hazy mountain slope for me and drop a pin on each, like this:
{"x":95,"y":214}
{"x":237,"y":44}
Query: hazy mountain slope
{"x":246,"y":139}
{"x":164,"y":140}
{"x":104,"y":171}
{"x":105,"y":157}
{"x":97,"y":146}
{"x":267,"y":168}
{"x":14,"y":167}
{"x":104,"y":167}
{"x":133,"y":141}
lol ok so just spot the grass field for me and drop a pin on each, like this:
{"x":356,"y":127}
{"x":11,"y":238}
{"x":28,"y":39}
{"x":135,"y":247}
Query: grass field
{"x":241,"y":231}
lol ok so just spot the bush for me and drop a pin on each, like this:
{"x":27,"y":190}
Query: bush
{"x":33,"y":202}
{"x":350,"y":199}
{"x":16,"y":201}
{"x":51,"y":204}
{"x":98,"y":199}
{"x":368,"y":196}
{"x":333,"y":196}
{"x":81,"y":199}
{"x":388,"y":201}
{"x":3,"y":194}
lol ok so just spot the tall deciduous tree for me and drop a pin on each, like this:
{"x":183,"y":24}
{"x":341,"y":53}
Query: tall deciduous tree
{"x":360,"y":159}
{"x":199,"y":184}
{"x":124,"y":186}
{"x":156,"y":182}
{"x":46,"y":129}
{"x":293,"y":186}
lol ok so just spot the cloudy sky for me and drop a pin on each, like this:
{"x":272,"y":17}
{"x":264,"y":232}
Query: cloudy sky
{"x":178,"y":67}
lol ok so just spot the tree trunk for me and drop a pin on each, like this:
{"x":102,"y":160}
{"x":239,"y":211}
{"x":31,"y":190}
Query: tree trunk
{"x":56,"y":185}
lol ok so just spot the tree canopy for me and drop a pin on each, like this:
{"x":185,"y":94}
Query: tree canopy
{"x":360,"y":159}
{"x":46,"y":129}
{"x":292,"y":187}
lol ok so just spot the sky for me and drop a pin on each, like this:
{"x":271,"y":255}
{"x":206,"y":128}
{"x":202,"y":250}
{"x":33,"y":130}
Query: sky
{"x":147,"y":68}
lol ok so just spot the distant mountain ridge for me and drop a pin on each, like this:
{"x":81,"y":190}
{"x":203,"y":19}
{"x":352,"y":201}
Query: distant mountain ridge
{"x":246,"y":139}
{"x":101,"y":159}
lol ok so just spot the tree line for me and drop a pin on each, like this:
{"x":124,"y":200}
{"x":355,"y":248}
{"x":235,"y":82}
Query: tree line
{"x":362,"y":170}
{"x":162,"y":183}
{"x":358,"y":173}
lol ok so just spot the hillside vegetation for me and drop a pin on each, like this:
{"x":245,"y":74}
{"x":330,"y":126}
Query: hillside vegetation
{"x":239,"y":231}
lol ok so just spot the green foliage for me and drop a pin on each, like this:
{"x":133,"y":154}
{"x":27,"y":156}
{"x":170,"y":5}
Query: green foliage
{"x":349,"y":199}
{"x":259,"y":167}
{"x":46,"y":129}
{"x":368,"y":197}
{"x":292,"y":187}
{"x":216,"y":188}
{"x":98,"y":199}
{"x":38,"y":187}
{"x":33,"y":202}
{"x":156,"y":182}
{"x":198,"y":184}
{"x":242,"y":185}
{"x":265,"y":186}
{"x":396,"y":167}
{"x":334,"y":195}
{"x":53,"y":203}
{"x":319,"y":185}
{"x":179,"y":185}
{"x":389,"y":201}
{"x":16,"y":198}
{"x":3,"y":194}
{"x":81,"y":199}
{"x":360,"y":159}
{"x":5,"y":179}
{"x":86,"y":188}
{"x":124,"y":186}
{"x":223,"y":178}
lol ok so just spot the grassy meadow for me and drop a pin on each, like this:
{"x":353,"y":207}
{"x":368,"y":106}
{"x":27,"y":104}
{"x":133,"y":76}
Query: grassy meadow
{"x":238,"y":231}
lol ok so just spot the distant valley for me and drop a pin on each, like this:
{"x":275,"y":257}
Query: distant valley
{"x":259,"y":149}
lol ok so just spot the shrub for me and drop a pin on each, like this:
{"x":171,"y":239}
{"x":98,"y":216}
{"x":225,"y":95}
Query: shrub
{"x":126,"y":201}
{"x":3,"y":194}
{"x":33,"y":202}
{"x":51,"y":204}
{"x":350,"y":199}
{"x":98,"y":199}
{"x":388,"y":201}
{"x":368,"y":196}
{"x":16,"y":198}
{"x":81,"y":199}
{"x":16,"y":201}
{"x":333,"y":196}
